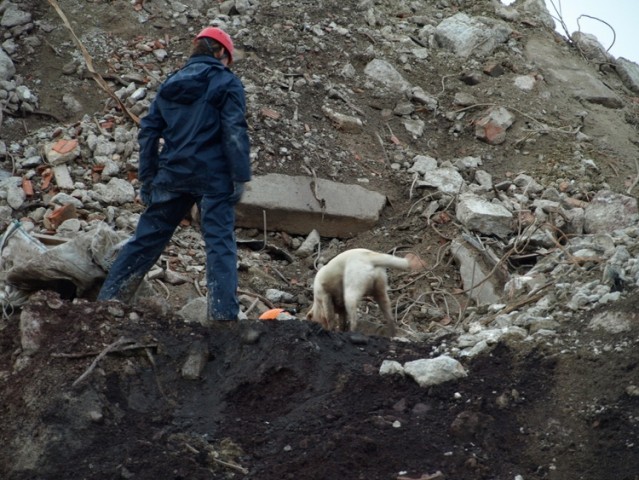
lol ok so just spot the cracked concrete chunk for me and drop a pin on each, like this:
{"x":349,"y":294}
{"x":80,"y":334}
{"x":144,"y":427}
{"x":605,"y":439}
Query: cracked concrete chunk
{"x":629,"y":73}
{"x":466,"y":35}
{"x":476,"y":275}
{"x":299,"y":204}
{"x":609,"y":211}
{"x":477,"y":213}
{"x":570,"y":71}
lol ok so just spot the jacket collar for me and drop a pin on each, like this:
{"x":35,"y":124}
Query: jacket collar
{"x":205,"y":59}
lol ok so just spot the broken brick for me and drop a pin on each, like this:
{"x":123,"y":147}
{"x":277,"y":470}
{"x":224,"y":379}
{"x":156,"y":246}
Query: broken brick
{"x":65,"y":146}
{"x":59,"y":215}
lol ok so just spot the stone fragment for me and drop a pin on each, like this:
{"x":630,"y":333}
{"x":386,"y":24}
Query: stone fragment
{"x":384,"y":73}
{"x":492,"y":126}
{"x":62,"y":177}
{"x":434,"y":371}
{"x":476,"y":275}
{"x":478,"y":214}
{"x":343,"y":122}
{"x":445,"y":179}
{"x":195,"y":362}
{"x":62,"y":151}
{"x":629,"y":73}
{"x":465,"y":35}
{"x":609,"y":211}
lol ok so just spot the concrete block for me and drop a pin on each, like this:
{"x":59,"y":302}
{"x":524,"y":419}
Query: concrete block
{"x":299,"y":204}
{"x":476,"y":276}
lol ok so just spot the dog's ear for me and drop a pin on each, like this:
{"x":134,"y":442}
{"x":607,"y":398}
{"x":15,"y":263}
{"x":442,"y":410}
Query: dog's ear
{"x":415,"y":262}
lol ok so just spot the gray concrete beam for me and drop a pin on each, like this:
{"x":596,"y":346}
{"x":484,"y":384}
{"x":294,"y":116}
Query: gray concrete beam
{"x":299,"y":204}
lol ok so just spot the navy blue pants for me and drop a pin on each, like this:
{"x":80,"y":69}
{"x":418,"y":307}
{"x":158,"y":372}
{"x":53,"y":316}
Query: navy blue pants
{"x":155,"y":229}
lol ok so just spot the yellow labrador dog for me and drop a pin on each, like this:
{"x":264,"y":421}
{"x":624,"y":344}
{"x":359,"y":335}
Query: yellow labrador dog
{"x":341,"y":284}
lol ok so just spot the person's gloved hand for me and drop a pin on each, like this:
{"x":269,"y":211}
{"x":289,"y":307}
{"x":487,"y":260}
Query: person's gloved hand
{"x":145,"y":194}
{"x":238,"y":191}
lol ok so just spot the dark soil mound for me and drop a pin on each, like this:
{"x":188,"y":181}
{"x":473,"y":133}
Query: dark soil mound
{"x":287,"y":400}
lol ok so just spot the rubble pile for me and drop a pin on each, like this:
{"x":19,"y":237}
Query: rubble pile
{"x":392,"y":89}
{"x":469,"y":132}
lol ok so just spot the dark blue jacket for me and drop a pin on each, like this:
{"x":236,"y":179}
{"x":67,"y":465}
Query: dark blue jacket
{"x":200,"y":113}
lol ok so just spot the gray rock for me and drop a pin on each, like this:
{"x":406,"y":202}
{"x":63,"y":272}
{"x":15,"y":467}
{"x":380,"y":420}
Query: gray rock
{"x":427,"y":372}
{"x":609,"y":211}
{"x":478,"y":214}
{"x":7,"y":68}
{"x":422,"y":164}
{"x":466,"y":35}
{"x":384,"y":73}
{"x":476,"y":275}
{"x":445,"y":179}
{"x":117,"y":191}
{"x":195,"y":311}
{"x":629,"y":73}
{"x":14,"y":17}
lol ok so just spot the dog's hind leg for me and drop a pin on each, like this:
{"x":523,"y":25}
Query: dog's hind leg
{"x":380,"y":295}
{"x":352,"y":296}
{"x":324,"y":310}
{"x":343,"y":318}
{"x":330,"y":322}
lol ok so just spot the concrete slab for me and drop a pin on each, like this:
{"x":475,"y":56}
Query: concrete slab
{"x":629,"y":73}
{"x":295,"y":204}
{"x":569,"y":70}
{"x":477,"y":277}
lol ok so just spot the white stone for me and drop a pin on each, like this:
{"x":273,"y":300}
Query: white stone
{"x":391,"y":367}
{"x":427,"y":372}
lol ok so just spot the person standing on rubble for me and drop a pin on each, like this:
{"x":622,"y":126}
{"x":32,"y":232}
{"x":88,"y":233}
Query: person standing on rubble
{"x":199,"y":113}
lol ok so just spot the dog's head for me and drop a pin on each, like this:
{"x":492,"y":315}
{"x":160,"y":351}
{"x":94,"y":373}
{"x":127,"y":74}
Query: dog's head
{"x":318,"y":317}
{"x":314,"y":316}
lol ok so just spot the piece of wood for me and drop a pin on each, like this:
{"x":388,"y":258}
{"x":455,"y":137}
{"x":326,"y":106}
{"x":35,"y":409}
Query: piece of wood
{"x":50,"y":239}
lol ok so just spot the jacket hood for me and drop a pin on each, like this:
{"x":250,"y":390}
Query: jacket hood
{"x":188,"y":83}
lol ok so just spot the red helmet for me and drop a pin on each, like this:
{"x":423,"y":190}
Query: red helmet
{"x":220,"y":36}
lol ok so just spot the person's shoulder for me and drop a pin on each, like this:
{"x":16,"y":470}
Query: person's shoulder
{"x":229,"y":77}
{"x":232,"y":74}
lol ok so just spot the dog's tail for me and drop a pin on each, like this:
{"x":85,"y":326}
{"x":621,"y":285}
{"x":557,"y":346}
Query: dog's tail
{"x":409,"y":262}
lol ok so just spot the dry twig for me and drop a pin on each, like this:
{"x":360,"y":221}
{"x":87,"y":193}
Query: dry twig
{"x":124,"y":348}
{"x":265,"y":300}
{"x":232,"y":466}
{"x":381,"y":143}
{"x":119,"y":342}
{"x":636,"y":180}
{"x":166,"y":289}
{"x":89,"y":63}
{"x":149,"y":355}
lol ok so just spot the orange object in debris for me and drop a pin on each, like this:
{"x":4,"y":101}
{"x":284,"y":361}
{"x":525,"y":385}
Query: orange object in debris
{"x":27,"y":186}
{"x":65,"y":146}
{"x":271,"y":314}
{"x":47,"y":175}
{"x":59,"y":215}
{"x":278,"y":314}
{"x":107,"y":124}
